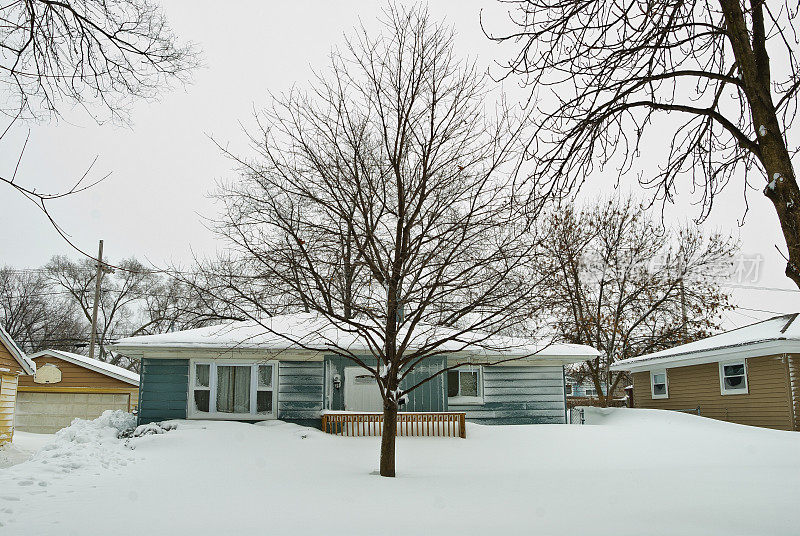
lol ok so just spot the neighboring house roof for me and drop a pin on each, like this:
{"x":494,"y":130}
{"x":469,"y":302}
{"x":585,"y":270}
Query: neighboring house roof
{"x":311,"y":331}
{"x":96,"y":365}
{"x":776,"y":335}
{"x":16,"y":352}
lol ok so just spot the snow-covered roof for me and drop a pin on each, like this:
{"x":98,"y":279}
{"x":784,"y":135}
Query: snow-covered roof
{"x":315,"y":332}
{"x":96,"y":365}
{"x":779,"y":334}
{"x":16,"y":352}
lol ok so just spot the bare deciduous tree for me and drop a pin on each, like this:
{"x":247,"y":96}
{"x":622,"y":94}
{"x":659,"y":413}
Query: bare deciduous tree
{"x":122,"y":294}
{"x":97,"y":54}
{"x":628,"y":287}
{"x":606,"y":73}
{"x":106,"y":52}
{"x":380,"y":199}
{"x":51,"y":307}
{"x":34,"y":315}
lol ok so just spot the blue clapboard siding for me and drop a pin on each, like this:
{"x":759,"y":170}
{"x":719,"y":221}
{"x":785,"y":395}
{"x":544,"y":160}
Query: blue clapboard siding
{"x":519,"y":395}
{"x":163,"y":389}
{"x":300,"y":385}
{"x":427,"y":397}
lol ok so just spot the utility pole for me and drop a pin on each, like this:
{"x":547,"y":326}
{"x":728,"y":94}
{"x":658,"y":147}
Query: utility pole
{"x":684,"y":316}
{"x":683,"y":313}
{"x":97,"y":278}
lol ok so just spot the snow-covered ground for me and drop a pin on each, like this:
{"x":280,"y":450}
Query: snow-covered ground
{"x":627,"y":472}
{"x":24,"y":446}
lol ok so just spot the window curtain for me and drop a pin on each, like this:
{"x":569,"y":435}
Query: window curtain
{"x":233,"y":389}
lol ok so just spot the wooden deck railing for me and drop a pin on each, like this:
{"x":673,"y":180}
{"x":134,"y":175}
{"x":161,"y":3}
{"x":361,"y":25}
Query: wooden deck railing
{"x":442,"y":424}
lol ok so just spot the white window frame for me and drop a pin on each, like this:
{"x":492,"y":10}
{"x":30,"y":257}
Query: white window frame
{"x":192,"y":413}
{"x":652,"y":384}
{"x":586,"y":392}
{"x":467,"y":400}
{"x":722,"y":388}
{"x":571,"y":389}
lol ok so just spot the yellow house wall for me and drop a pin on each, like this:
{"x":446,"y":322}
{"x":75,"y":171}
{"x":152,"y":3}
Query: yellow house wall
{"x":8,"y":397}
{"x":768,"y":402}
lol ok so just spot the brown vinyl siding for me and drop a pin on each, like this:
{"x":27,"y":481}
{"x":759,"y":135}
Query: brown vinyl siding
{"x":767,"y":402}
{"x":74,"y":376}
{"x":8,"y":361}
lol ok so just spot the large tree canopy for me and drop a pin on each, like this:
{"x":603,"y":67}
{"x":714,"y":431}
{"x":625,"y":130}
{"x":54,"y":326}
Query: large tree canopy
{"x":381,"y":200}
{"x":719,"y":78}
{"x":627,"y":287}
{"x":55,"y":53}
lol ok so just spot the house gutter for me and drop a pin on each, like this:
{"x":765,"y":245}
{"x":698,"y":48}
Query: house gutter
{"x":745,"y":350}
{"x":790,"y":393}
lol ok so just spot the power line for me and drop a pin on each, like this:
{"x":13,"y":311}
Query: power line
{"x":751,"y":317}
{"x":753,"y":287}
{"x":759,"y":310}
{"x":242,"y":276}
{"x":111,"y":290}
{"x":144,"y":272}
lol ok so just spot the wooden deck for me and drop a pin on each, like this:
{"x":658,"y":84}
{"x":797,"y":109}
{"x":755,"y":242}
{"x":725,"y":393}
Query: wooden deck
{"x":438,"y":424}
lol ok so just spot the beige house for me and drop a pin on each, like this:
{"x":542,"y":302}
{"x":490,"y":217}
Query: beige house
{"x":749,"y":375}
{"x":67,"y":386}
{"x":13,"y":364}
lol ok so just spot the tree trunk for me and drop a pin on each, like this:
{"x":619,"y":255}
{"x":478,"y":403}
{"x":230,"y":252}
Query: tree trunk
{"x":754,"y":65}
{"x":783,"y":191}
{"x":388,"y":439}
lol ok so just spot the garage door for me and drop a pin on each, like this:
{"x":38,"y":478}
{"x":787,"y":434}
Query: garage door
{"x":46,"y":413}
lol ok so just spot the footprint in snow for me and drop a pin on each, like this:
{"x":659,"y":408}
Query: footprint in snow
{"x":25,"y":482}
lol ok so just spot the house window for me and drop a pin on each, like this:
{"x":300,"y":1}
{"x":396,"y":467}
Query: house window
{"x":464,"y":385}
{"x":568,"y":389}
{"x":733,"y":378}
{"x":202,"y":387}
{"x":233,"y":390}
{"x":658,"y":384}
{"x":264,"y":390}
{"x":591,"y":391}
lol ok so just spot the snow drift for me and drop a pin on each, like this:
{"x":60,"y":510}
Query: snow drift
{"x":628,"y":472}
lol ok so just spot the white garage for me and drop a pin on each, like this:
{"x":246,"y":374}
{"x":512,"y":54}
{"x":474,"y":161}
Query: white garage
{"x":69,"y":386}
{"x":46,"y":413}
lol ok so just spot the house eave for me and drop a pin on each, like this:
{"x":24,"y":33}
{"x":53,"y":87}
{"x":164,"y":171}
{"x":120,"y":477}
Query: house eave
{"x":25,"y":363}
{"x":100,"y":370}
{"x":713,"y":355}
{"x":210,"y":352}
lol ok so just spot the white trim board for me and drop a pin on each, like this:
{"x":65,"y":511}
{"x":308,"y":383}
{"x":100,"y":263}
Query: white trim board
{"x":232,"y":354}
{"x":16,"y":352}
{"x":542,"y":360}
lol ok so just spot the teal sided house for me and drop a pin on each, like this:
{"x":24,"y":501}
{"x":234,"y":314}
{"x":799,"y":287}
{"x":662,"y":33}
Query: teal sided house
{"x":253,"y":371}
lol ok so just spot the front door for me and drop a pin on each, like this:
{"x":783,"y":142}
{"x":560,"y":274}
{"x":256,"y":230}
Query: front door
{"x":361,"y":392}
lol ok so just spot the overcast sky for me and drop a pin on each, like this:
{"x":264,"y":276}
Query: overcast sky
{"x":163,"y":166}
